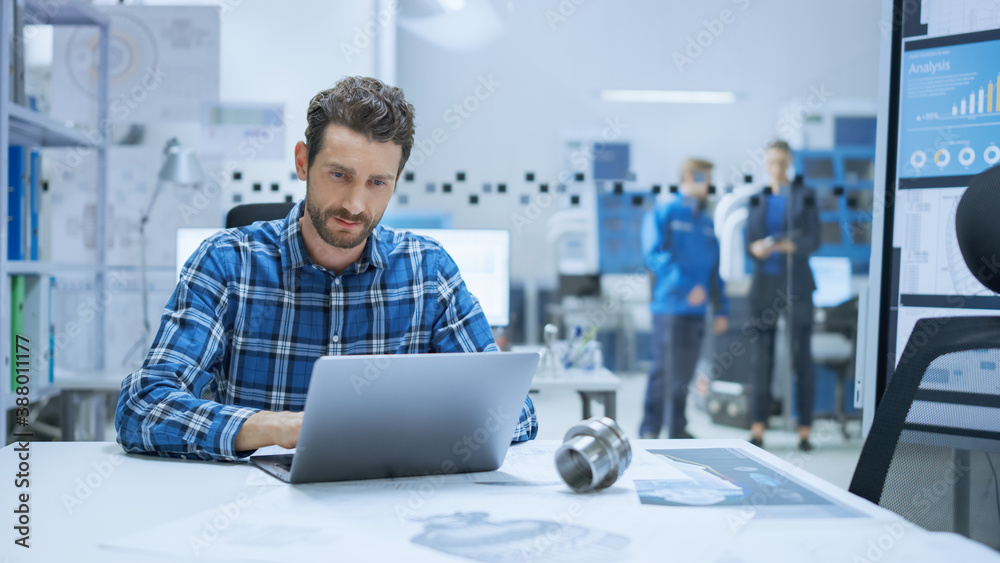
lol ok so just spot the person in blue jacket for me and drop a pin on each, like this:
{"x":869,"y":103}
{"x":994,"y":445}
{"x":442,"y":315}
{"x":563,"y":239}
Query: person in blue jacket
{"x":680,"y":248}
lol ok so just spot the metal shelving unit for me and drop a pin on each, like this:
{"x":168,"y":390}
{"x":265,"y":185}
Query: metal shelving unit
{"x":22,"y":126}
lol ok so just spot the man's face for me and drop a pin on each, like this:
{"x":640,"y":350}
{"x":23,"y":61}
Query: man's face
{"x":696,"y":183}
{"x":348,"y":185}
{"x":777,"y":164}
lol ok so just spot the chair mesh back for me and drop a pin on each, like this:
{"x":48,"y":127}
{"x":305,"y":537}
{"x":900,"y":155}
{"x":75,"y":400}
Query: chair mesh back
{"x":937,"y":478}
{"x":933,"y":453}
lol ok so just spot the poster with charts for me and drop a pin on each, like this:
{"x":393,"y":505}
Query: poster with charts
{"x":950,"y":105}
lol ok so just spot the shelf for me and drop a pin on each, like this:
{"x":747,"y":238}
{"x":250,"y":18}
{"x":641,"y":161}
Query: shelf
{"x":35,"y":129}
{"x":41,"y":267}
{"x":61,"y":12}
{"x":38,"y":267}
{"x":37,"y":395}
{"x":31,"y":128}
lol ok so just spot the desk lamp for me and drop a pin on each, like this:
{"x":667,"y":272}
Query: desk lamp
{"x":180,"y":168}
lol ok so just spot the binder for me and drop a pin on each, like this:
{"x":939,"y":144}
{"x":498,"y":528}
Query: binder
{"x":35,"y":177}
{"x":52,"y":334}
{"x":16,"y":173}
{"x":16,"y":323}
{"x":36,"y":319}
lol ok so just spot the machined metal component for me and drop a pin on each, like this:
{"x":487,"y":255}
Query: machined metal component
{"x":594,"y":454}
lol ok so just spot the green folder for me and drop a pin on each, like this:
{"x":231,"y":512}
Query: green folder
{"x":16,"y":323}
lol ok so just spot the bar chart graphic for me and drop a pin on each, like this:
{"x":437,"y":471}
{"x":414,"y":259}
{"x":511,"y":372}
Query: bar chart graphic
{"x":949,"y":114}
{"x":983,"y":103}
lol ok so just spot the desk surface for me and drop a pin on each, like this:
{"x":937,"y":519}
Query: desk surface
{"x":91,"y":502}
{"x":579,"y":379}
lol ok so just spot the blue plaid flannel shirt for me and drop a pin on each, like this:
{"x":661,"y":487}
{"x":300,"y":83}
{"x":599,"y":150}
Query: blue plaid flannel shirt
{"x":251,"y":314}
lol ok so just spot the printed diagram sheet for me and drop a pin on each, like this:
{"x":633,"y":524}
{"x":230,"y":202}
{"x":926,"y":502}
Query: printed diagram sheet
{"x":727,"y":477}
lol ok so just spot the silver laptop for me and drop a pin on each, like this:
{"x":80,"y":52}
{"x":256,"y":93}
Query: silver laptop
{"x":369,"y":417}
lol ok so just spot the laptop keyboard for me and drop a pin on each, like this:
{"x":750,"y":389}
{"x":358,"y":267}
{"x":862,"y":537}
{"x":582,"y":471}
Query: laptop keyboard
{"x":285,"y":462}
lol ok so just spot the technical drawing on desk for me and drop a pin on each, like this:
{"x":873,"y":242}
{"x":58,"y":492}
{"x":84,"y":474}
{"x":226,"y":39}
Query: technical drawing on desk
{"x":727,"y":477}
{"x":473,"y":536}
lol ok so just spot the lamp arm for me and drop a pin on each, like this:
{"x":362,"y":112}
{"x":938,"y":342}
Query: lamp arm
{"x":149,"y":208}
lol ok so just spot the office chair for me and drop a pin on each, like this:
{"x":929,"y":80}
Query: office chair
{"x":933,"y":452}
{"x":243,"y":215}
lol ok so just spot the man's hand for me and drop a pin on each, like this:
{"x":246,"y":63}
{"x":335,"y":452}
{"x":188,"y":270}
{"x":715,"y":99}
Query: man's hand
{"x":697,"y":296}
{"x":720,"y":325}
{"x":785,"y":247}
{"x":761,"y":249}
{"x":267,"y":428}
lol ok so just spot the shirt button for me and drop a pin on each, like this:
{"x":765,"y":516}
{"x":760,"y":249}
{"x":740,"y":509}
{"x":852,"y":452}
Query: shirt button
{"x":335,"y":339}
{"x":336,"y":281}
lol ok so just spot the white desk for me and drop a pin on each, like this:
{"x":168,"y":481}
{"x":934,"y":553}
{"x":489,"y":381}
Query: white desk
{"x":85,"y":496}
{"x":601,"y":386}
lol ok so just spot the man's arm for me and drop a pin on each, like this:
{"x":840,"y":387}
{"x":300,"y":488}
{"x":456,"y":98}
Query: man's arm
{"x":160,"y":408}
{"x":462,"y":327}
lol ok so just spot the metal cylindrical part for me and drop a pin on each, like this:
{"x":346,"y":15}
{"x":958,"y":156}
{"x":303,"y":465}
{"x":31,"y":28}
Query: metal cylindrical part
{"x":594,"y":455}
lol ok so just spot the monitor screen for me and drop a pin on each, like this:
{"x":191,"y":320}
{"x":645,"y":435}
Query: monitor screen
{"x":483,"y":258}
{"x":833,"y":280}
{"x":188,"y":240}
{"x":943,"y":122}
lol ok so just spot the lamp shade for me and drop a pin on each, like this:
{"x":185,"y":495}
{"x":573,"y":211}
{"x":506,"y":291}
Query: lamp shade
{"x":181,"y":165}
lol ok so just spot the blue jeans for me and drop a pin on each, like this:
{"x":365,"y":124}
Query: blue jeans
{"x":676,"y":348}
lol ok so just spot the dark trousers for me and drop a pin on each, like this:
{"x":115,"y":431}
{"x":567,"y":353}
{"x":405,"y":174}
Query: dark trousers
{"x":676,"y":347}
{"x":771,"y":299}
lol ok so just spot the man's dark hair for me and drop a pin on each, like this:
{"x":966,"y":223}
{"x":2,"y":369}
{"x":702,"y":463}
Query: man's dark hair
{"x":365,"y":105}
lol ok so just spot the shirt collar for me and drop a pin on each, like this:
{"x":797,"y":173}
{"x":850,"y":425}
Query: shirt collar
{"x":293,"y":248}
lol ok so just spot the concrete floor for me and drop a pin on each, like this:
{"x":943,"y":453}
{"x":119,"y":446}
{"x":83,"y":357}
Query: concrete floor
{"x":833,"y":459}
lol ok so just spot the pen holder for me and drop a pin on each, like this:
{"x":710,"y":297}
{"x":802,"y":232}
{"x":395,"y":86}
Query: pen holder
{"x":594,"y":455}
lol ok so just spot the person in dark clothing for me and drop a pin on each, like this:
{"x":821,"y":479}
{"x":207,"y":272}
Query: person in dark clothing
{"x":680,"y":248}
{"x":782,"y":231}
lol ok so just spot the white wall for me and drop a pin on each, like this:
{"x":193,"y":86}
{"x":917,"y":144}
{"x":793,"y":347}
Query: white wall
{"x":551,"y":71}
{"x":552,"y":58}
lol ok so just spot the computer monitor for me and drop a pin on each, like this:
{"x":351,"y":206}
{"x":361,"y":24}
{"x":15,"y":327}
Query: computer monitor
{"x":833,"y":280}
{"x":188,"y":240}
{"x":483,"y":258}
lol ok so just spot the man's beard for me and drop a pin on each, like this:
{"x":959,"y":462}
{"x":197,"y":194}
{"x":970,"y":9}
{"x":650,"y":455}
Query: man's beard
{"x":321,"y":217}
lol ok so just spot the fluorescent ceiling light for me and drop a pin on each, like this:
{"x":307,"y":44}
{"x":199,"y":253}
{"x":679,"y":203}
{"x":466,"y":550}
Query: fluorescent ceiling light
{"x":668,"y":96}
{"x":452,"y":5}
